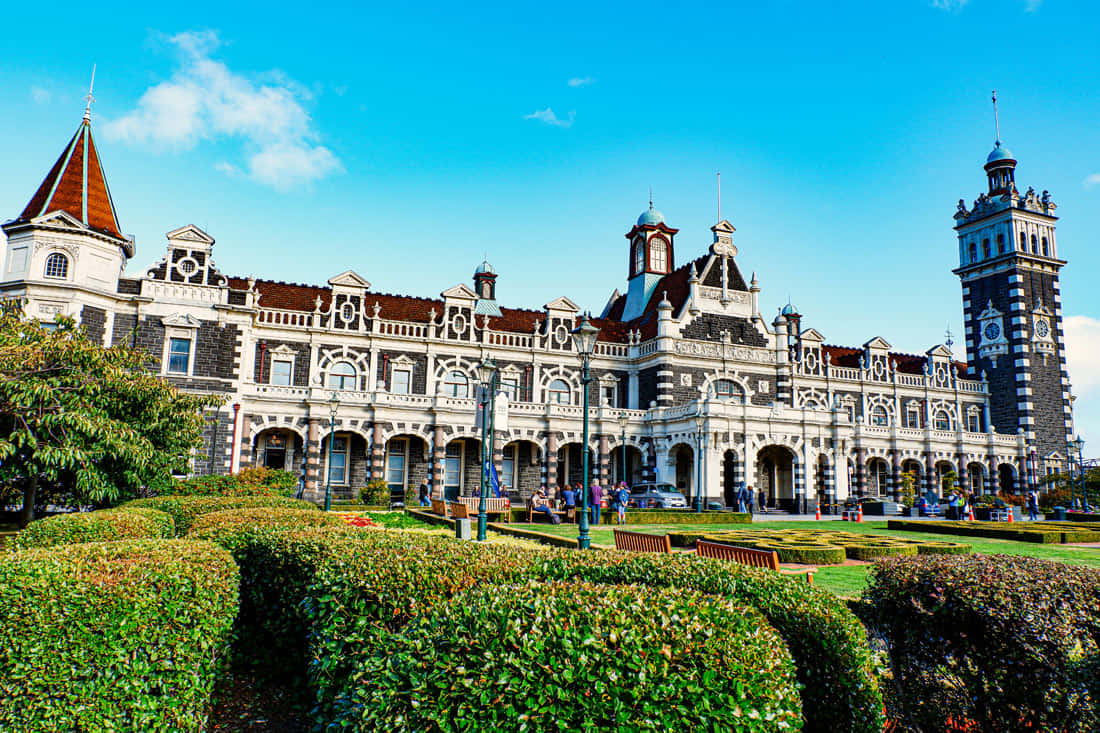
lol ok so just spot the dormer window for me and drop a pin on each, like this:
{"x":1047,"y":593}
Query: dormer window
{"x":658,"y":255}
{"x":57,"y":266}
{"x":639,"y":256}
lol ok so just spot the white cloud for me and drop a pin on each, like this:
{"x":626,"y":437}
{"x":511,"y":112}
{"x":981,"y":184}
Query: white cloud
{"x":40,"y":95}
{"x":206,"y":100}
{"x":581,"y":81}
{"x":1093,"y":180}
{"x":547,"y":115}
{"x":949,"y":5}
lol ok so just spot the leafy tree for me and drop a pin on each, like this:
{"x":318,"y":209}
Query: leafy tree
{"x":86,"y":422}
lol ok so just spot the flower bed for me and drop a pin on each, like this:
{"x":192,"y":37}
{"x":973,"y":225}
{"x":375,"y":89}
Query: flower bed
{"x":184,"y":509}
{"x":101,"y":526}
{"x":1006,"y":643}
{"x":113,"y":636}
{"x":653,"y":660}
{"x":819,"y":546}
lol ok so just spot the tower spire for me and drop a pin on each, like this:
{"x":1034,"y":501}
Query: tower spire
{"x":719,"y":195}
{"x":89,"y":98}
{"x":651,"y":197}
{"x":996,"y":119}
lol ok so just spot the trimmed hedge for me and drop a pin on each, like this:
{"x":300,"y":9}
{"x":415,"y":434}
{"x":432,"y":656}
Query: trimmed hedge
{"x":656,"y":516}
{"x":101,"y":526}
{"x":944,"y":548}
{"x":510,"y":659}
{"x":231,"y":526}
{"x":811,"y":546}
{"x":829,"y":645}
{"x":184,"y":509}
{"x":113,"y":636}
{"x":1006,"y":643}
{"x":805,"y":554}
{"x":1050,"y":533}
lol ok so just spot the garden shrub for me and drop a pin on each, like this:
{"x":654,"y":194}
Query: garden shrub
{"x":101,"y":526}
{"x":944,"y":548}
{"x":832,"y":656}
{"x":184,"y":509}
{"x":806,"y":554}
{"x":231,"y":526}
{"x":113,"y":636}
{"x":258,"y":481}
{"x":509,"y":658}
{"x":872,"y":551}
{"x":1007,"y":643}
{"x":1038,"y":532}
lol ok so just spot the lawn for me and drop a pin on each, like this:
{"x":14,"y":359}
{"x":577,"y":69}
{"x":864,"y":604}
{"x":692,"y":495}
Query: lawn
{"x":848,"y":581}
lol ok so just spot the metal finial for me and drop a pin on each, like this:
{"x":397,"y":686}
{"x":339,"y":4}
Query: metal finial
{"x":89,"y":98}
{"x":651,"y":197}
{"x":950,"y":339}
{"x":996,"y":119}
{"x":719,"y":195}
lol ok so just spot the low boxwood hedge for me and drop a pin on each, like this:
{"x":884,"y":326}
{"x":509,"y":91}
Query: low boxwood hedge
{"x":559,"y":657}
{"x":1004,"y":643}
{"x":231,"y":526}
{"x":184,"y":509}
{"x":1037,"y":532}
{"x":873,"y":551}
{"x":828,"y":643}
{"x":809,"y":546}
{"x":944,"y":548}
{"x":805,"y":554}
{"x":113,"y":636}
{"x":101,"y":526}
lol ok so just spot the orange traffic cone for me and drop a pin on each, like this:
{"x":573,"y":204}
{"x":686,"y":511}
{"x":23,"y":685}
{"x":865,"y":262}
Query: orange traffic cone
{"x":971,"y":517}
{"x":817,"y":514}
{"x":859,"y":516}
{"x":1011,"y":519}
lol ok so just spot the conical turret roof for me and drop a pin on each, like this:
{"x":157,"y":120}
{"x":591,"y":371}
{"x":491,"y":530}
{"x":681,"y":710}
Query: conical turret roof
{"x":77,"y":186}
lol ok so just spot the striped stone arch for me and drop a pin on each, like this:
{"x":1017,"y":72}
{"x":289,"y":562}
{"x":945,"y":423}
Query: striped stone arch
{"x":813,"y":399}
{"x":943,"y":406}
{"x":708,"y":384}
{"x":457,"y":364}
{"x":260,"y":423}
{"x":885,"y":402}
{"x":424,"y":431}
{"x":327,"y":357}
{"x":570,"y":377}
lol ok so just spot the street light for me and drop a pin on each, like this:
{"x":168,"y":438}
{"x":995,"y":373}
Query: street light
{"x":700,"y":423}
{"x":489,"y":375}
{"x":1078,"y":444}
{"x":623,"y":420}
{"x":333,"y":406}
{"x":584,"y":338}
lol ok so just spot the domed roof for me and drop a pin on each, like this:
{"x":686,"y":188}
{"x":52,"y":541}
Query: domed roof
{"x":484,"y":269}
{"x":999,"y":153}
{"x":651,"y":217}
{"x":789,"y":309}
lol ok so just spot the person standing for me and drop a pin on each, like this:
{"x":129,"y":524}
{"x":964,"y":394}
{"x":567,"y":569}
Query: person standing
{"x":763,"y":500}
{"x":622,"y":496}
{"x":424,"y":494}
{"x":1033,"y":505}
{"x":595,"y":495}
{"x":749,"y":498}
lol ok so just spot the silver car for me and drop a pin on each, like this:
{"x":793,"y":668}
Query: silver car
{"x":660,"y":496}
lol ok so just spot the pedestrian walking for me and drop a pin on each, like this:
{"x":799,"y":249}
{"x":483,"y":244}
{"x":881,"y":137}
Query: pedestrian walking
{"x":763,"y":500}
{"x":595,"y":495}
{"x":425,"y":494}
{"x":1033,"y":505}
{"x":622,"y":496}
{"x":749,"y":498}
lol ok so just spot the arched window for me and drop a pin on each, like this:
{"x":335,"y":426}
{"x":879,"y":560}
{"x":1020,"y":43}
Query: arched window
{"x":1046,"y":248}
{"x":456,"y":384}
{"x":558,"y":392}
{"x":985,"y":248}
{"x":973,"y":251}
{"x":1023,"y":242}
{"x":342,"y":375}
{"x":1000,"y":244}
{"x":639,"y":256}
{"x":942,"y":420}
{"x":57,"y":265}
{"x":1034,"y":245}
{"x":879,"y":416}
{"x":658,"y":255}
{"x":723,"y":388}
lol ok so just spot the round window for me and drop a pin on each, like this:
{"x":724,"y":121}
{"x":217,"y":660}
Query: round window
{"x":347,"y":312}
{"x":561,"y":334}
{"x":187,"y":266}
{"x":458,"y":323}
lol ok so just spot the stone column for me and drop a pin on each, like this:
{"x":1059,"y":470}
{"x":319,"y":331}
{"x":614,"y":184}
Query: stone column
{"x":828,"y":479}
{"x":604,"y":460}
{"x":439,"y":454}
{"x":314,"y":490}
{"x":550,"y":465}
{"x":895,"y":474}
{"x":861,"y":471}
{"x":964,"y":475}
{"x":798,"y":479}
{"x":930,"y":483}
{"x":378,"y":453}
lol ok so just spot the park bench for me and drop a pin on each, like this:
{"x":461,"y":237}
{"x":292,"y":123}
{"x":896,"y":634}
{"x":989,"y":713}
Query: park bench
{"x":641,"y":542}
{"x":500,"y":507}
{"x":439,"y":507}
{"x":768,"y":559}
{"x":568,"y":515}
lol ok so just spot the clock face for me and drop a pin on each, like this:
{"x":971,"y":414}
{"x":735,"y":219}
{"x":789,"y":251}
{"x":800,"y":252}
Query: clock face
{"x":1042,"y":329}
{"x":992,"y":331}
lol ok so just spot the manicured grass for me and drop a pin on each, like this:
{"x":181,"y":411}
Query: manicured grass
{"x":849,"y":581}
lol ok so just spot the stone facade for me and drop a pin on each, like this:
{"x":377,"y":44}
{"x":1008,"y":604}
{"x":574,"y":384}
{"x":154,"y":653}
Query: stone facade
{"x":684,"y":357}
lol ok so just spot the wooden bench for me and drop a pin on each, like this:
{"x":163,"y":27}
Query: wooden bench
{"x":439,"y":507}
{"x":641,"y":542}
{"x":768,"y":559}
{"x":501,"y":507}
{"x":568,"y":515}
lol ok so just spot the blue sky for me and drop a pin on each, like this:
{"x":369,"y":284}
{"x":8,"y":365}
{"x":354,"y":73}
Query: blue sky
{"x":406,"y":143}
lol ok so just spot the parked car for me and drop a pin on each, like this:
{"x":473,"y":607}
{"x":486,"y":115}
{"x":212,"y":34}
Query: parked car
{"x":660,"y":496}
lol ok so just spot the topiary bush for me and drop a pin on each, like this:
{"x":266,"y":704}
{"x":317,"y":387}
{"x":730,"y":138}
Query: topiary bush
{"x":230,"y":527}
{"x":101,"y":526}
{"x":828,"y":643}
{"x":184,"y":509}
{"x":1005,"y":643}
{"x":578,"y":657}
{"x":806,"y":554}
{"x":113,"y":636}
{"x":873,"y":551}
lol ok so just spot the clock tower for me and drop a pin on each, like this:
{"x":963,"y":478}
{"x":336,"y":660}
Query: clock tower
{"x":1012,"y":308}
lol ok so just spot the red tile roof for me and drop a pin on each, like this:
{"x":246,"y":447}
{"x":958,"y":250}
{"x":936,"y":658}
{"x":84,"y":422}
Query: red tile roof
{"x":848,"y":357}
{"x":76,"y":185}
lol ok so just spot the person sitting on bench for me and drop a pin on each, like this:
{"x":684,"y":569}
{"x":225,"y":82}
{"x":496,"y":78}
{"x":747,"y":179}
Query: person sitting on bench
{"x":539,"y":503}
{"x":568,"y":498}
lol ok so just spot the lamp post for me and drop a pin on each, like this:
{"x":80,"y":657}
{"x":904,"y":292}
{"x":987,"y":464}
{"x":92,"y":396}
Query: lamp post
{"x":333,"y":406}
{"x":489,"y":375}
{"x":700,"y":423}
{"x":1078,"y":444}
{"x":623,"y":420}
{"x":584,"y":338}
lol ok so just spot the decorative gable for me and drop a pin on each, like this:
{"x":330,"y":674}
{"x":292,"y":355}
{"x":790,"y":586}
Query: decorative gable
{"x":562,"y":304}
{"x":460,"y":292}
{"x":811,"y":335}
{"x":349,"y":279}
{"x":877,"y":344}
{"x":190,"y":237}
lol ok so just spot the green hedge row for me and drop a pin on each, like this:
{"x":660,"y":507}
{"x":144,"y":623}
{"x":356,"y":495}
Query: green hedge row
{"x":815,"y":546}
{"x":657,"y":516}
{"x":101,"y":526}
{"x":578,"y":657}
{"x":1002,"y":643}
{"x":230,"y":526}
{"x":1052,"y":533}
{"x":832,"y":656}
{"x":183,"y":509}
{"x":113,"y":636}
